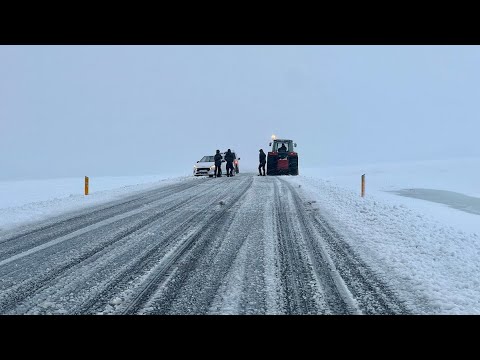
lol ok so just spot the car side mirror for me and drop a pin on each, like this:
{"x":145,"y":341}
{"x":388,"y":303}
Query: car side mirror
{"x":295,"y":144}
{"x":238,"y":158}
{"x":198,"y":161}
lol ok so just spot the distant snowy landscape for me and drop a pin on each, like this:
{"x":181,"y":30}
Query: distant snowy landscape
{"x":418,"y":225}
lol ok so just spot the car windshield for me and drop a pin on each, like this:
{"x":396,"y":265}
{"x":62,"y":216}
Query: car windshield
{"x":207,"y":159}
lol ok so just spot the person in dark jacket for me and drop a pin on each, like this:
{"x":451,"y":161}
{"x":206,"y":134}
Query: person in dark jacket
{"x":229,"y":159}
{"x":282,"y":148}
{"x":218,"y":164}
{"x":263,"y":160}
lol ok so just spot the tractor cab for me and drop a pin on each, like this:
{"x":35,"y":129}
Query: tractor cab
{"x":283,"y":147}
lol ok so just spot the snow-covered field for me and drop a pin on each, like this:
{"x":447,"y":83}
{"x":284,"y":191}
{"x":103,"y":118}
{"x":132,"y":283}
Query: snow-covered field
{"x":426,"y":243}
{"x":382,"y":180}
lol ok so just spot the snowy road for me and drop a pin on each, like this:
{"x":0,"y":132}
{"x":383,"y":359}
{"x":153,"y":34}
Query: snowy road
{"x":242,"y":245}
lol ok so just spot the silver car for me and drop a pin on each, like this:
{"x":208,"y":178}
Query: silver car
{"x":204,"y":166}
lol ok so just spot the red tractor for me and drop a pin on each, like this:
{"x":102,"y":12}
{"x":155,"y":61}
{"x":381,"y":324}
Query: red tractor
{"x":282,"y":160}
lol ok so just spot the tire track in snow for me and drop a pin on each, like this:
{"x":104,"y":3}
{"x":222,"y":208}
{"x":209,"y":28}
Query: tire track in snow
{"x":59,"y":226}
{"x":358,"y":285}
{"x":11,"y":298}
{"x":150,"y":259}
{"x":82,"y":236}
{"x":299,"y":295}
{"x":189,"y":259}
{"x":247,"y":287}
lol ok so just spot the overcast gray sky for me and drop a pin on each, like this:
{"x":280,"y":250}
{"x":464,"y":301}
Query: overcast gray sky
{"x":134,"y":110}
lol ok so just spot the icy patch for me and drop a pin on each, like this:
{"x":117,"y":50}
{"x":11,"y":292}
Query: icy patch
{"x":455,"y":200}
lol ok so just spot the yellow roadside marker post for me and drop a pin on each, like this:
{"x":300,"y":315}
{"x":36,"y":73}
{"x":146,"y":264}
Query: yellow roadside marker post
{"x":86,"y":185}
{"x":363,"y":185}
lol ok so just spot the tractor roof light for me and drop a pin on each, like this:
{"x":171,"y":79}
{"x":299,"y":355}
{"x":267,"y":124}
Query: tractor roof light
{"x":274,"y":137}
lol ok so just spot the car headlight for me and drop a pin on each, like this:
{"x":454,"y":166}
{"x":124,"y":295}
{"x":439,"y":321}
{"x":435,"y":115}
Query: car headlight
{"x":212,"y":167}
{"x":194,"y":166}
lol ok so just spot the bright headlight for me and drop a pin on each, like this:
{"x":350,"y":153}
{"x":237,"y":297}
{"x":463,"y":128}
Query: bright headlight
{"x":212,"y":167}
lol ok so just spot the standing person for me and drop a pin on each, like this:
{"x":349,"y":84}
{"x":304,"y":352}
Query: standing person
{"x":282,"y":148}
{"x":229,"y":159}
{"x":262,"y":158}
{"x":218,"y":164}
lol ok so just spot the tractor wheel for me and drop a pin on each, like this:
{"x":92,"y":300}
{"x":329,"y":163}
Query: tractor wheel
{"x":272,"y":165}
{"x":271,"y":172}
{"x":293,"y":166}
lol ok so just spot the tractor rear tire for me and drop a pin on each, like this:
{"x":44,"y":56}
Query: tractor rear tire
{"x":293,"y":166}
{"x":272,"y":165}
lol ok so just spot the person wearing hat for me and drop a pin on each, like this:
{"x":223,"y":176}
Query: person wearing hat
{"x":263,"y":159}
{"x":218,"y":164}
